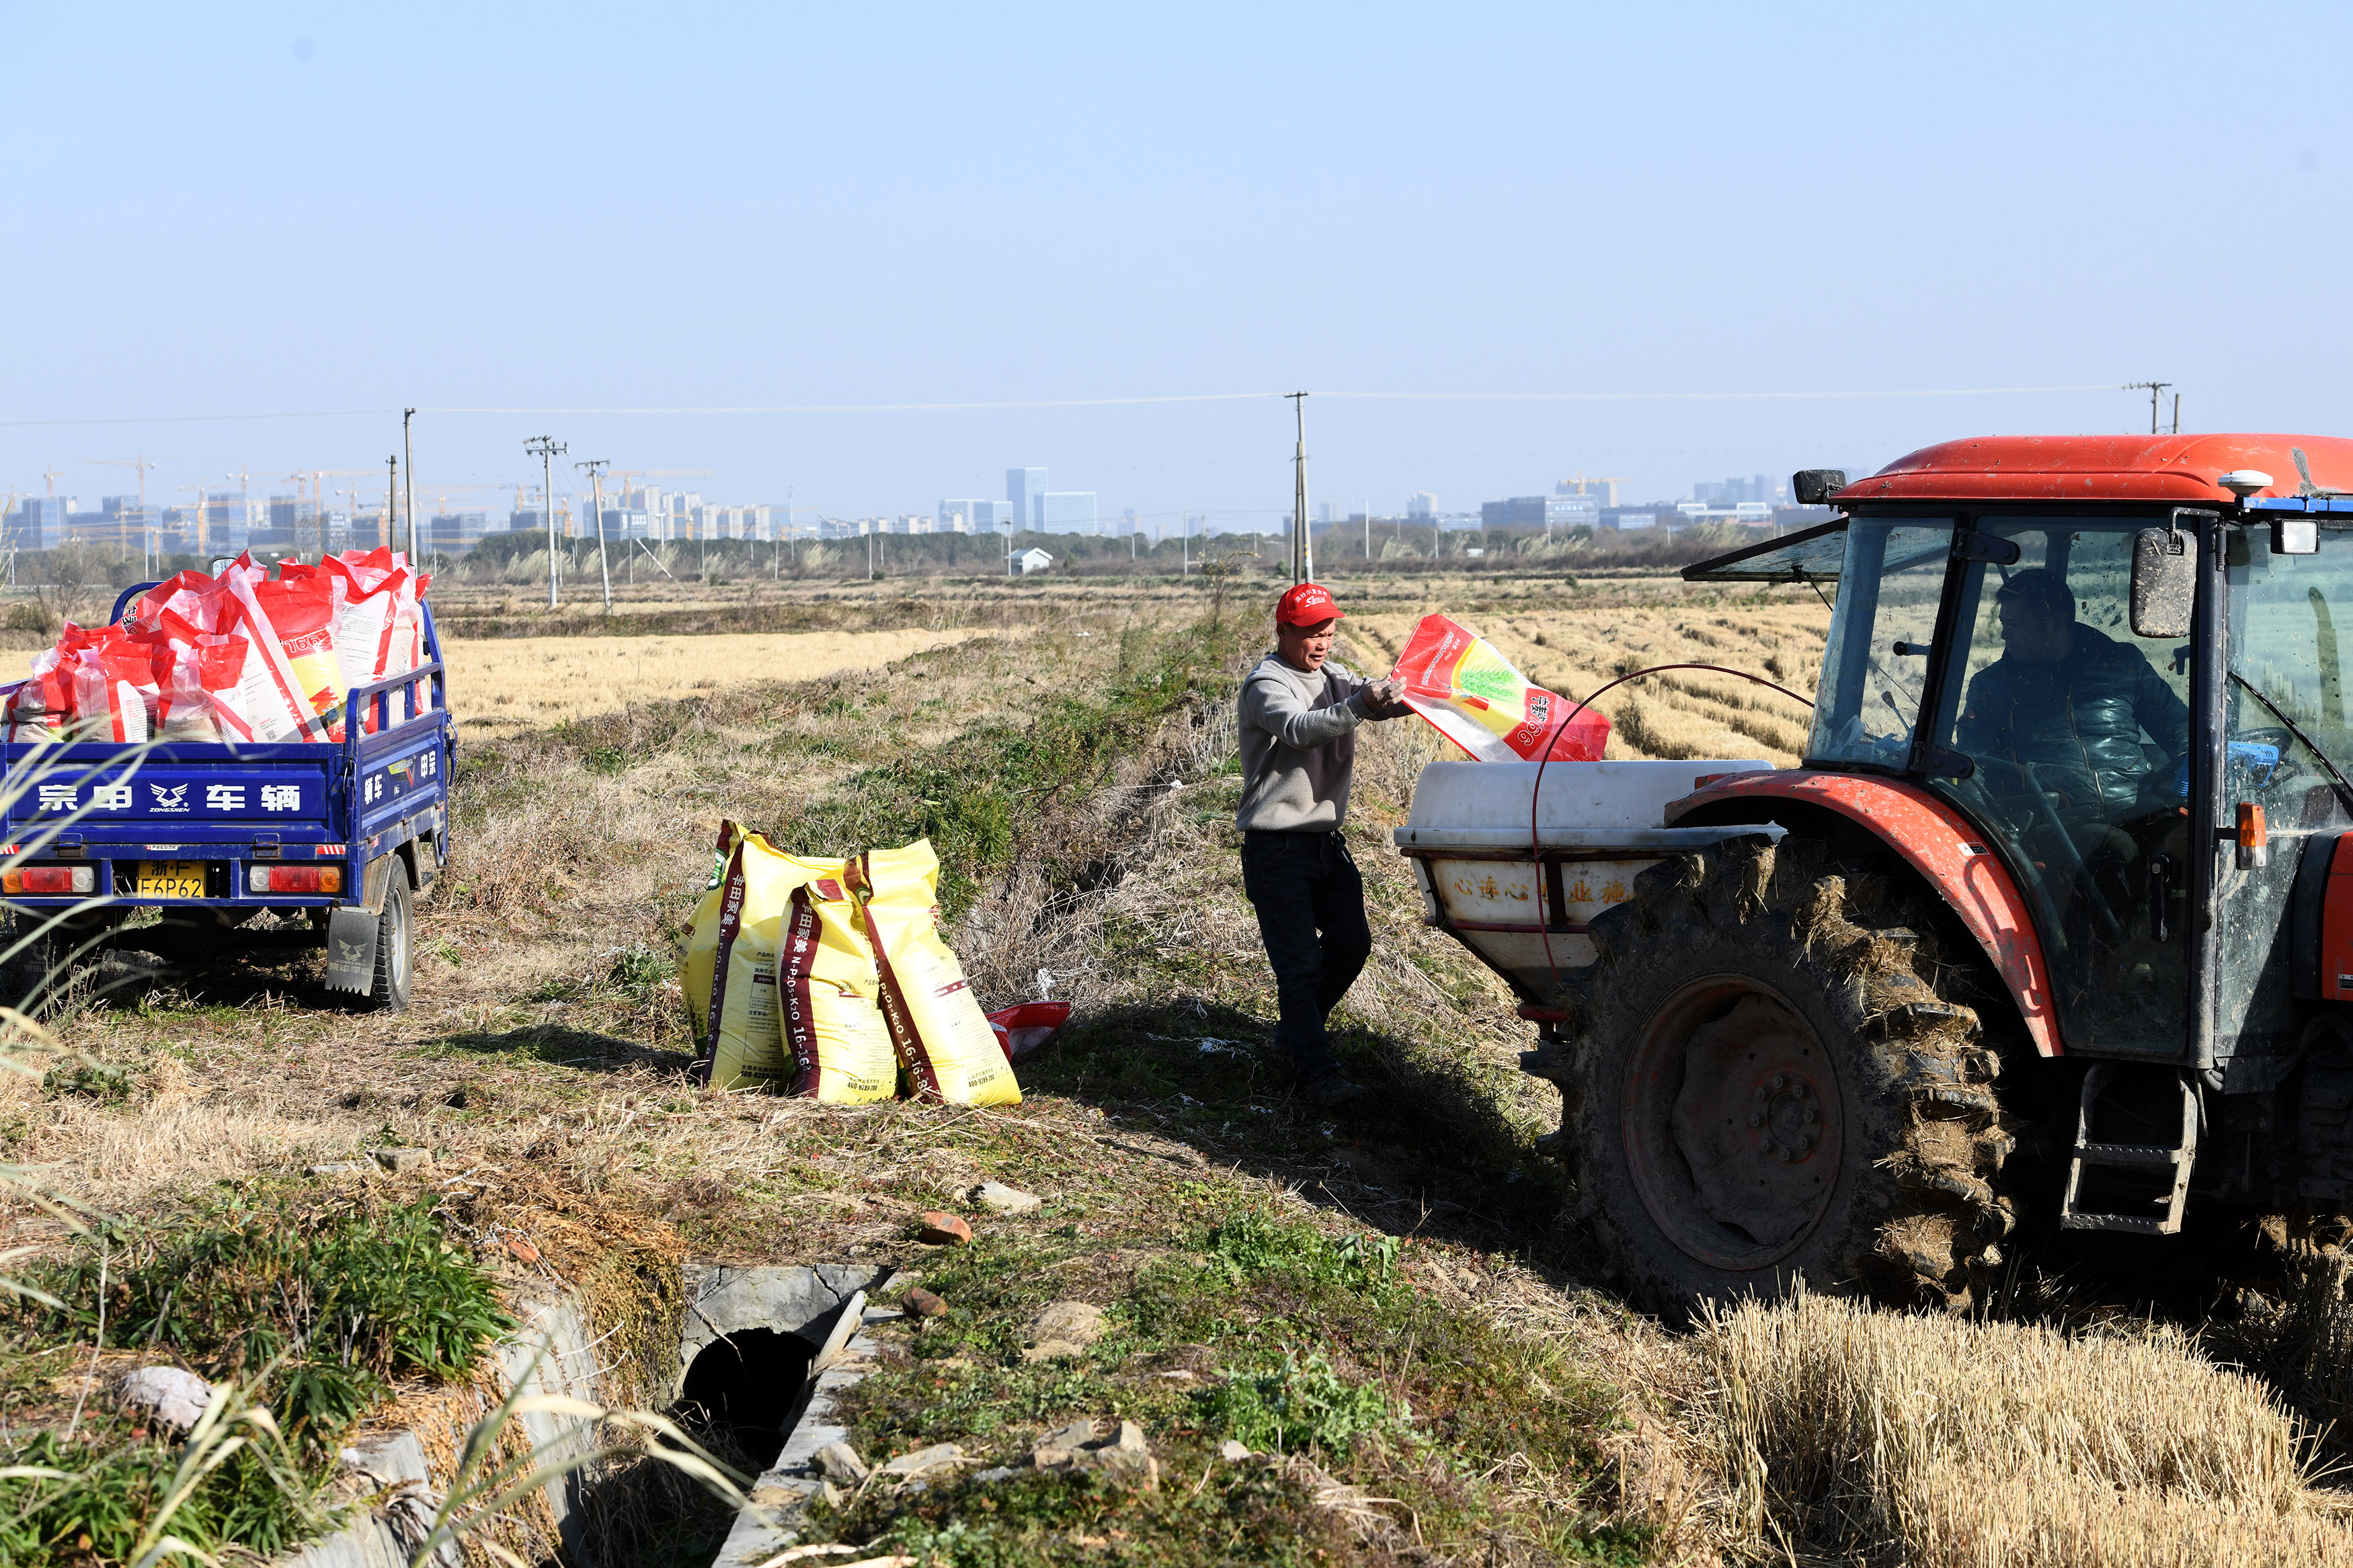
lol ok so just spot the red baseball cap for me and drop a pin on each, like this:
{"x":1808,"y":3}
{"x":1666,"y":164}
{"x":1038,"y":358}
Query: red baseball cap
{"x":1309,"y":604}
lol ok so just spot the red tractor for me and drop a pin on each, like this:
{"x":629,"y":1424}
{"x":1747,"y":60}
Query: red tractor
{"x":2055,"y":923}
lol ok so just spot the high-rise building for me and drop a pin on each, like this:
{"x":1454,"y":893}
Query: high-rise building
{"x":454,"y":533}
{"x":228,"y":521}
{"x":971,"y":515}
{"x":1540,"y":511}
{"x":1025,"y":490}
{"x":179,"y":532}
{"x":1422,"y":507}
{"x":41,"y":522}
{"x":1065,"y":511}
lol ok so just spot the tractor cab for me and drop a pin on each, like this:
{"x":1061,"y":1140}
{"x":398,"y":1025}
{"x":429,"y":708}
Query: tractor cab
{"x":2115,"y":661}
{"x":2138,"y":702}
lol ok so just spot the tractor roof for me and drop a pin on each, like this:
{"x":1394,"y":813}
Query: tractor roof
{"x":2104,"y":467}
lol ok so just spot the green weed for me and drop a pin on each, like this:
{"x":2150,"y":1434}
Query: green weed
{"x":87,"y":1079}
{"x":637,"y":969}
{"x":1254,"y":1242}
{"x":340,"y":1305}
{"x":1299,"y":1406}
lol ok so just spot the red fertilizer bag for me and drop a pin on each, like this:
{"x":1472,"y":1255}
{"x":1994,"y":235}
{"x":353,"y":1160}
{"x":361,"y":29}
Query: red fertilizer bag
{"x":1472,"y":695}
{"x":288,"y":699}
{"x":115,"y":695}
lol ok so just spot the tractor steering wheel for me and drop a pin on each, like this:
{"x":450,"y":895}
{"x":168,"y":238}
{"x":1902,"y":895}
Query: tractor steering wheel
{"x":2264,"y":778}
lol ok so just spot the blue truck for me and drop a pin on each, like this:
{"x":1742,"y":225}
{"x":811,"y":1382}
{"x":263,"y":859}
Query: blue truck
{"x":333,"y":842}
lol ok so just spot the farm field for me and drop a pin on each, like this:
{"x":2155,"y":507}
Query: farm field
{"x":1427,"y":1365}
{"x":520,"y":682}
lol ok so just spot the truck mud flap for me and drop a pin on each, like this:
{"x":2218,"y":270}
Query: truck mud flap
{"x":351,"y":933}
{"x":351,"y":951}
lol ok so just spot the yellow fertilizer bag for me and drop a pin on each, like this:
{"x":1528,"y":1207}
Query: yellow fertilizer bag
{"x":744,"y":1029}
{"x":944,"y":1040}
{"x":833,"y":1026}
{"x":702,"y":938}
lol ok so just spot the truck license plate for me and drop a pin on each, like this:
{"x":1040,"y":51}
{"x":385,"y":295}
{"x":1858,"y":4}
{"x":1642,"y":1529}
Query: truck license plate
{"x":169,"y":880}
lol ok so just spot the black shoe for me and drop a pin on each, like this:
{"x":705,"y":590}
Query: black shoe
{"x":1328,"y":1089}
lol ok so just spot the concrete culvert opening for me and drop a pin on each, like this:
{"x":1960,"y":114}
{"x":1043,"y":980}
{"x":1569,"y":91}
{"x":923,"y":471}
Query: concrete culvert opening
{"x":741,"y":1392}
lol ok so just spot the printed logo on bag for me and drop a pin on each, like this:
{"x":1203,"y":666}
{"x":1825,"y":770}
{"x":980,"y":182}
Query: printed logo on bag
{"x":174,"y":798}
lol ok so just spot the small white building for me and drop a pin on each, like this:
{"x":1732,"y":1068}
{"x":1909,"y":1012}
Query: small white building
{"x":1033,"y":560}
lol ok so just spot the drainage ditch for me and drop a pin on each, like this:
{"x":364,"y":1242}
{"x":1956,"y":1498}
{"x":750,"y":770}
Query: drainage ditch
{"x":762,"y":1355}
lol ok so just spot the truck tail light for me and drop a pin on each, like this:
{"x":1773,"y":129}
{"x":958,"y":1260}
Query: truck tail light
{"x":2255,"y":837}
{"x":294,"y":878}
{"x":48,"y":879}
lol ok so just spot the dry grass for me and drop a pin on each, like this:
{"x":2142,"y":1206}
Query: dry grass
{"x":1938,"y":1442}
{"x":508,"y":683}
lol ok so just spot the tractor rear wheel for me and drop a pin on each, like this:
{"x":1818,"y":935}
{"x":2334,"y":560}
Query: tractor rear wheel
{"x":1770,"y":1072}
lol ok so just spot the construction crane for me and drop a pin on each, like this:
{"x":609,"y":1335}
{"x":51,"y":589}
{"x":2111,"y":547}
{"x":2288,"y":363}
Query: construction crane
{"x":626,"y":476}
{"x":1609,"y":497}
{"x":146,"y":524}
{"x":142,"y":464}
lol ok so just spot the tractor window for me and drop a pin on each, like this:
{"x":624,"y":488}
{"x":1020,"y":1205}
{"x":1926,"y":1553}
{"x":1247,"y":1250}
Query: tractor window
{"x":2076,"y":732}
{"x":1880,"y":630}
{"x":2284,"y":645}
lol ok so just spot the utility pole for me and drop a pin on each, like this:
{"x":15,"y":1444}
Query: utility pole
{"x":547,"y":449}
{"x":1186,"y":569}
{"x":1368,"y":532}
{"x":596,"y":466}
{"x":1303,"y":548}
{"x":2177,"y":414}
{"x":2153,"y":388}
{"x":408,"y":461}
{"x":392,"y":505}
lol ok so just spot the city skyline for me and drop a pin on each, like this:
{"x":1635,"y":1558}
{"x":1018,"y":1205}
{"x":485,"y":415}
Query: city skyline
{"x":282,"y":520}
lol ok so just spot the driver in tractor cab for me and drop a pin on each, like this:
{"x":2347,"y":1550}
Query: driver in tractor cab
{"x":2071,"y":703}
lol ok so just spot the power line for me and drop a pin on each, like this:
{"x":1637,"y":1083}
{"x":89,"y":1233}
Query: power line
{"x":1732,"y":397}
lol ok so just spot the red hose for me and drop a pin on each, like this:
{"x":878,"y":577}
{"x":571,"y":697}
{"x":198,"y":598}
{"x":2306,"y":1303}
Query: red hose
{"x":1535,"y":842}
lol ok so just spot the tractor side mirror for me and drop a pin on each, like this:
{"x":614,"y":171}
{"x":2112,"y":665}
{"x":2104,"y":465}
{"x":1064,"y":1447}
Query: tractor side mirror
{"x":2164,"y":581}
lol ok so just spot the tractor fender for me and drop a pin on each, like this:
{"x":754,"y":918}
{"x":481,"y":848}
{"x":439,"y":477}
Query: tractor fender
{"x":1934,"y":840}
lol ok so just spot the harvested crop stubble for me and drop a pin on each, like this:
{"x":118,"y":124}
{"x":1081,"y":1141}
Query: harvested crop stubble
{"x":1964,"y":1444}
{"x":519,"y":681}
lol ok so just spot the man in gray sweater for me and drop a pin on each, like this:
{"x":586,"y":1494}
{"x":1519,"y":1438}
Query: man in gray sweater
{"x":1299,"y":717}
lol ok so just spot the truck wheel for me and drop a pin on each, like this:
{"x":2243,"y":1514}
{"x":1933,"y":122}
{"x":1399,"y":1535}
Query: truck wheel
{"x":1769,"y":1073}
{"x":389,"y":993}
{"x":31,"y":979}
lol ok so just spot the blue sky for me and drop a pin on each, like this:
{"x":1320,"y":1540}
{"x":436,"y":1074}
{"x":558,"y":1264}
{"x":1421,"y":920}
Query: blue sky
{"x":282,"y":209}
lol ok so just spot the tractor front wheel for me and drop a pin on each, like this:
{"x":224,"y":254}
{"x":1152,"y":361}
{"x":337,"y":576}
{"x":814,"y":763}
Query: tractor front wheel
{"x":1763,"y":1080}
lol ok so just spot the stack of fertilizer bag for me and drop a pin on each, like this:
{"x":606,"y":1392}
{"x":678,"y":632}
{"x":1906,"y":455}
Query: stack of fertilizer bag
{"x":828,"y":980}
{"x":238,"y":658}
{"x":1472,"y":695}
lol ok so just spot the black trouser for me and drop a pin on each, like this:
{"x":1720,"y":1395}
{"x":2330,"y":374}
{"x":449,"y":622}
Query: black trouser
{"x":1311,"y":915}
